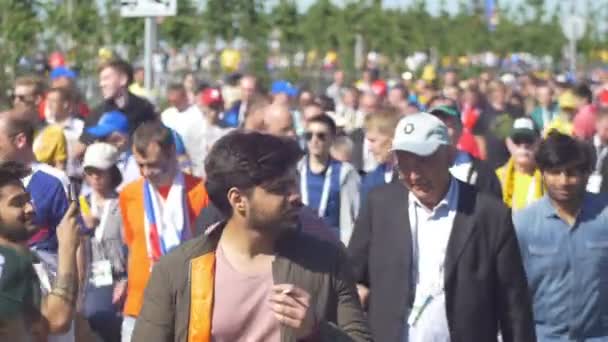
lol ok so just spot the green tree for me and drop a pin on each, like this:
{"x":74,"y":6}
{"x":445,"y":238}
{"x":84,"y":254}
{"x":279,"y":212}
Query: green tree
{"x":77,"y":28}
{"x":185,"y":27}
{"x":19,"y":27}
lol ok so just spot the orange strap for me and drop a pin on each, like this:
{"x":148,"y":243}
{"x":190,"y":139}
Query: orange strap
{"x":202,"y":270}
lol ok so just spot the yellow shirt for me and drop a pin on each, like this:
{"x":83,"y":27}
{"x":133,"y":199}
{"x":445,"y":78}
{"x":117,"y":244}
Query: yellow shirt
{"x":140,"y":91}
{"x":50,"y":145}
{"x":523,"y":190}
{"x":560,"y":124}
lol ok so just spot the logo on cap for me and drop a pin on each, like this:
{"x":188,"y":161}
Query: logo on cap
{"x":409,"y":128}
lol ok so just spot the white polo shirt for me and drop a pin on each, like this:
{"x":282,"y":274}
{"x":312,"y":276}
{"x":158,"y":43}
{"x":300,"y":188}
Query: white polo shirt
{"x":431,"y":230}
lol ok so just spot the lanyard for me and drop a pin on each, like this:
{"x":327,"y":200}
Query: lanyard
{"x":324,"y":194}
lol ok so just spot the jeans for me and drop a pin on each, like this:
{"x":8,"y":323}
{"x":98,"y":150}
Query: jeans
{"x":104,"y":317}
{"x":128,"y":324}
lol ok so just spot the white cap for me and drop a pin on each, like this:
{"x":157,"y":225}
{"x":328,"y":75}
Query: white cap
{"x":420,"y":134}
{"x":101,"y":156}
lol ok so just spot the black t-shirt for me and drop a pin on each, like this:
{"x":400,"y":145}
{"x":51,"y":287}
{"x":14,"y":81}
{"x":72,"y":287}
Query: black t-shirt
{"x":137,"y":110}
{"x":495,"y":126}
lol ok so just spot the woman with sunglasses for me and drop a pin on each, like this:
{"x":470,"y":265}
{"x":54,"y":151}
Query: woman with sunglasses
{"x":328,"y":186}
{"x":520,"y":177}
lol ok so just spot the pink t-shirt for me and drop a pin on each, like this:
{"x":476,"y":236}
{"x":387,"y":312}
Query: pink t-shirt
{"x":584,"y":122}
{"x":241,"y":307}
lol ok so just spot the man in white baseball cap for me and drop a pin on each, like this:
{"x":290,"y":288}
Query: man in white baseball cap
{"x":434,"y":250}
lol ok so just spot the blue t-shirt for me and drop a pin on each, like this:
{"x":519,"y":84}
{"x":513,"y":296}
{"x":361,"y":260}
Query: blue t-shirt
{"x":180,"y":148}
{"x":315,"y":189}
{"x":373,"y":179}
{"x":47,"y":190}
{"x":230,"y":118}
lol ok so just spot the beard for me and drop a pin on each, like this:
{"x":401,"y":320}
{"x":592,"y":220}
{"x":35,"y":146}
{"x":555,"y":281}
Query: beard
{"x":17,"y":234}
{"x":286,"y":220}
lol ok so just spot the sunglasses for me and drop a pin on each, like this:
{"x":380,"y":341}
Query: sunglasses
{"x":320,"y":135}
{"x":23,"y":98}
{"x":523,"y":140}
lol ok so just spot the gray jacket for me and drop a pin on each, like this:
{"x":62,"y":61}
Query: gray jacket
{"x":350,"y":186}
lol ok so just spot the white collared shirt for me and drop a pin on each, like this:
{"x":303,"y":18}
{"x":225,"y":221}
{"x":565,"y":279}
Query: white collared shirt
{"x":431,"y":230}
{"x":594,"y":183}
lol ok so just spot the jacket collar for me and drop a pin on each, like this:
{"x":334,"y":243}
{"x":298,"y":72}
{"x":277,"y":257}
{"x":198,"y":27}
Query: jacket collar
{"x":462,"y":229}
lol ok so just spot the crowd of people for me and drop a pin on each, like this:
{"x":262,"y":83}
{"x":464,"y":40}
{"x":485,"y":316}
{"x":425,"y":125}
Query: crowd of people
{"x":405,"y":210}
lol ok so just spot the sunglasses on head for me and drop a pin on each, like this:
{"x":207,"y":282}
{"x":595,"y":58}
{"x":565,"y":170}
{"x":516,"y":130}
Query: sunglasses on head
{"x":321,"y":135}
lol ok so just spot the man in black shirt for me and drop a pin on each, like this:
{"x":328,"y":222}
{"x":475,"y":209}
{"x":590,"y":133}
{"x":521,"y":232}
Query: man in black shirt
{"x":495,"y":124}
{"x":114,"y":79}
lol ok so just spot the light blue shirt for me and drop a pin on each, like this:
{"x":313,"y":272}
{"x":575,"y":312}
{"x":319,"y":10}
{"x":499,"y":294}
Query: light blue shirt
{"x":567,"y":269}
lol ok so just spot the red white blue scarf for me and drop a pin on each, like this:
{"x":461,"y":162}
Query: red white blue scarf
{"x":166,"y":222}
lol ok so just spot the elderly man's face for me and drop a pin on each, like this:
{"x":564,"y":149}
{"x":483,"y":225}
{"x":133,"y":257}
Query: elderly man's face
{"x":426,"y":177}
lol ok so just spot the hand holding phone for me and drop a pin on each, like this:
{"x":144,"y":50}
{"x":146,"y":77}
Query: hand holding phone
{"x":72,"y":195}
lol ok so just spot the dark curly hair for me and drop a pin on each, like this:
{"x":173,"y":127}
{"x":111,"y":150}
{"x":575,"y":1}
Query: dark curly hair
{"x":559,"y":151}
{"x":246,"y":159}
{"x":12,"y":172}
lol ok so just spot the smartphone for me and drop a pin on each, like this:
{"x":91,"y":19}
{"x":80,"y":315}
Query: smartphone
{"x":72,"y":195}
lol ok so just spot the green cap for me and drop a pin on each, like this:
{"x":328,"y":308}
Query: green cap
{"x":445,"y":110}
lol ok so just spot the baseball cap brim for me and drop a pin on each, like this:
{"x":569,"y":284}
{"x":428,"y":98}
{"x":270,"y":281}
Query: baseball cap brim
{"x":422,"y":149}
{"x":445,"y":110}
{"x":101,"y":131}
{"x":524,"y":132}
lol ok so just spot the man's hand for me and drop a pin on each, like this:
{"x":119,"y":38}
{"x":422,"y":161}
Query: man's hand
{"x":363,"y":292}
{"x":120,"y":289}
{"x":291,"y":306}
{"x":68,"y":234}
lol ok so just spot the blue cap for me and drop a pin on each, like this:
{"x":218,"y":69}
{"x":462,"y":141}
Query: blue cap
{"x":285,"y":87}
{"x":62,"y":71}
{"x":109,"y":123}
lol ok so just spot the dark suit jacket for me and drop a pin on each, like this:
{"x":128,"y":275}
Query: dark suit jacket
{"x":485,"y":282}
{"x":487,"y":181}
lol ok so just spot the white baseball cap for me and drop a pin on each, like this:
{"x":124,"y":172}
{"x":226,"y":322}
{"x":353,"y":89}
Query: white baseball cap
{"x":524,"y":127}
{"x":421,"y":134}
{"x":101,"y":156}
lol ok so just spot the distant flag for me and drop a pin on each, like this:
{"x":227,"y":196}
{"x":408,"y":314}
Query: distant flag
{"x":491,"y":14}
